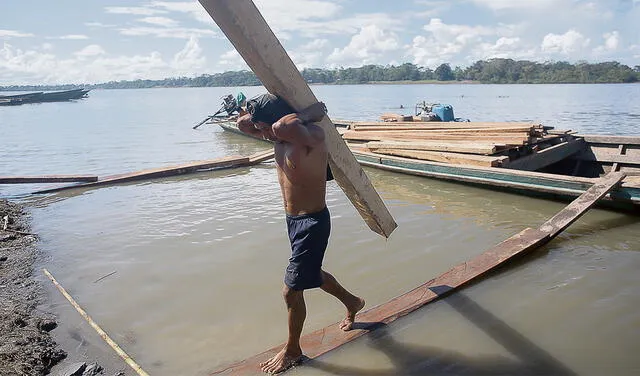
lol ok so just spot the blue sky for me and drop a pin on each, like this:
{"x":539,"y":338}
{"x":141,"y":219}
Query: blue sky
{"x":75,"y":41}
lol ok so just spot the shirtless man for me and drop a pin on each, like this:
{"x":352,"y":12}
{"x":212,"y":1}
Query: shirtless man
{"x":301,"y":159}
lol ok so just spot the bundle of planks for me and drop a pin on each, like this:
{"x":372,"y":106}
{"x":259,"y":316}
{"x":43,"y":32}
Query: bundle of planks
{"x":458,"y":143}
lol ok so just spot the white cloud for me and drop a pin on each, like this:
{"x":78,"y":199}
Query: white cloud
{"x":455,"y":43}
{"x":310,"y":55}
{"x":189,"y":60}
{"x":90,"y":51}
{"x":93,"y":64}
{"x":193,"y":8}
{"x":139,"y":11}
{"x":569,"y":43}
{"x":166,"y":32}
{"x":517,"y":4}
{"x":14,"y":34}
{"x":315,"y":18}
{"x":70,"y":37}
{"x":366,"y":47}
{"x":285,"y":11}
{"x":159,"y":21}
{"x":232,"y":60}
{"x":506,"y":48}
{"x":98,"y":24}
{"x":612,"y":40}
{"x":611,"y":44}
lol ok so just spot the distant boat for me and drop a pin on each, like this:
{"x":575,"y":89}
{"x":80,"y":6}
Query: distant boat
{"x":66,"y":95}
{"x":38,"y":97}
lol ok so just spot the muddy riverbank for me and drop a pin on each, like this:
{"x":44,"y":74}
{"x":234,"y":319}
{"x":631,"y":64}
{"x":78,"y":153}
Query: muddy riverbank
{"x":27,"y":344}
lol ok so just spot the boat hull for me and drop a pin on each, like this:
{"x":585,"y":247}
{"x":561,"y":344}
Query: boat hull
{"x":535,"y":184}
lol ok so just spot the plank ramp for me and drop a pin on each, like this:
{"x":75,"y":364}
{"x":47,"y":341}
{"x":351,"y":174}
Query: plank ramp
{"x":329,"y":338}
{"x":182,"y":169}
{"x":47,"y":179}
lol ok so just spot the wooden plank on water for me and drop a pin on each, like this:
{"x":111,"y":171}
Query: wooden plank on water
{"x":548,"y":156}
{"x":249,"y":33}
{"x":47,"y":179}
{"x":329,"y":338}
{"x":579,"y":206}
{"x":155,"y":173}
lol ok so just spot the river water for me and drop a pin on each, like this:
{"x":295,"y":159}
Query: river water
{"x":199,"y":259}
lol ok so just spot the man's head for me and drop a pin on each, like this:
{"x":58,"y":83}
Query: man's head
{"x":268,"y":108}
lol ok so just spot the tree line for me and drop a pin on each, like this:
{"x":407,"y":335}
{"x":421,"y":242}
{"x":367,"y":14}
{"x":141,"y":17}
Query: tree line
{"x":493,"y":71}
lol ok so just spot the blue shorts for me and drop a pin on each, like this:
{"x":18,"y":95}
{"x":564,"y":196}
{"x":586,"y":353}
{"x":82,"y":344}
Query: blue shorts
{"x":309,"y":236}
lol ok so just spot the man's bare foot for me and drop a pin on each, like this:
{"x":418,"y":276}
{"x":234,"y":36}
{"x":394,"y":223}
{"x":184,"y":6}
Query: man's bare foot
{"x":282,"y":361}
{"x":347,"y":323}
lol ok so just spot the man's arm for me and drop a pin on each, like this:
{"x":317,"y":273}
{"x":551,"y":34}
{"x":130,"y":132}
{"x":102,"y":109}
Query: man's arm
{"x":291,"y":129}
{"x":245,"y":125}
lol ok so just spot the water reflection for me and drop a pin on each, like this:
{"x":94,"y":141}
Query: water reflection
{"x":416,"y":360}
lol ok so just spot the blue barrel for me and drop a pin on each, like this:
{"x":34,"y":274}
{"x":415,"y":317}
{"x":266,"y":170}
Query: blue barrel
{"x":444,"y":112}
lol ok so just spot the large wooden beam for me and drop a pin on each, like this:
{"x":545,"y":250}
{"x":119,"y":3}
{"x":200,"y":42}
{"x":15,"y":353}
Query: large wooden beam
{"x":452,"y":146}
{"x":247,"y":30}
{"x":548,"y":156}
{"x":445,"y":157}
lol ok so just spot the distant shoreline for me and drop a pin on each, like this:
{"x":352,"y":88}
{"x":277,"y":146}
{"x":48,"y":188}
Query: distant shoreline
{"x":420,"y":82}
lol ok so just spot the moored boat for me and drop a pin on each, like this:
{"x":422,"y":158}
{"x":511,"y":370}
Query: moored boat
{"x":559,"y":168}
{"x":38,"y":97}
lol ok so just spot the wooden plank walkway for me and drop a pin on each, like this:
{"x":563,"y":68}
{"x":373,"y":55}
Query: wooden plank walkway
{"x":47,"y":179}
{"x":329,"y":338}
{"x":220,"y":163}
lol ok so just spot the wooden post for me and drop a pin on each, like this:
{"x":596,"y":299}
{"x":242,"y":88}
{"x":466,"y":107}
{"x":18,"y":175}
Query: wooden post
{"x":247,"y":30}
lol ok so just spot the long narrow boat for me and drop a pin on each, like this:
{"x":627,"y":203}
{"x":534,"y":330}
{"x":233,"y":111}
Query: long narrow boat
{"x":577,"y":163}
{"x":38,"y":97}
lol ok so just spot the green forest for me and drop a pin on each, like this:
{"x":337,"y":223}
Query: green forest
{"x":492,"y":71}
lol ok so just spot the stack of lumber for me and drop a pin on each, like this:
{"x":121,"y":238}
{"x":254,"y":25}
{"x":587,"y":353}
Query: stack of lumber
{"x":387,"y":117}
{"x":458,"y":143}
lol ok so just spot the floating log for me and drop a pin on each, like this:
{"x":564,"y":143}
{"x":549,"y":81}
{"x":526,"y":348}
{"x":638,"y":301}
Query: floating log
{"x":445,"y":157}
{"x":47,"y":179}
{"x":331,"y":337}
{"x":247,"y":30}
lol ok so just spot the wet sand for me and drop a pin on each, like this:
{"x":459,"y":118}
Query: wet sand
{"x":27,"y":344}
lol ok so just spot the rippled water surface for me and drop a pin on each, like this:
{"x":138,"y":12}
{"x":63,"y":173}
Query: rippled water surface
{"x":199,"y":259}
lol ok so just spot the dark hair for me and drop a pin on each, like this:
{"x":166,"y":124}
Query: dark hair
{"x":268,"y":108}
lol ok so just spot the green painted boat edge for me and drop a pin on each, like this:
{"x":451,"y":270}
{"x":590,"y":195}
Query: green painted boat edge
{"x":538,"y":184}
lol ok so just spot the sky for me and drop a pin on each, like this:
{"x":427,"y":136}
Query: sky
{"x":93,"y":41}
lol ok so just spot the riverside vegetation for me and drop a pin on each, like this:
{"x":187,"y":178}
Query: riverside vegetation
{"x":492,"y":71}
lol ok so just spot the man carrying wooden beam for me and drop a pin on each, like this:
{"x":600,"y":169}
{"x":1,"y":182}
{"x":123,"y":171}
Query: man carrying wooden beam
{"x":301,"y":159}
